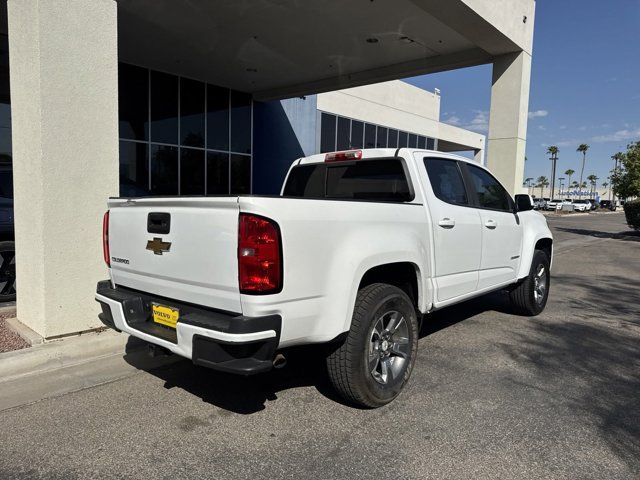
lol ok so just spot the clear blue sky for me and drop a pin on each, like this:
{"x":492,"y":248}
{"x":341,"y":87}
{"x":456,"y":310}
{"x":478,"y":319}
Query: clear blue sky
{"x":585,"y":85}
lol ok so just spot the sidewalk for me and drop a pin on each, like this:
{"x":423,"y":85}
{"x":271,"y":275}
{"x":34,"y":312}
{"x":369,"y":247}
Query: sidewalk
{"x":62,"y":366}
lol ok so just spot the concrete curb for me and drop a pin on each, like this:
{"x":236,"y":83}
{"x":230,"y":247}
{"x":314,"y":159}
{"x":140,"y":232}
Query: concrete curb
{"x":53,"y":355}
{"x":25,"y":332}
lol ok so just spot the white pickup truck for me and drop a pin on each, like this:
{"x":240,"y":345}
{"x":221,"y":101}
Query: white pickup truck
{"x":356,"y":249}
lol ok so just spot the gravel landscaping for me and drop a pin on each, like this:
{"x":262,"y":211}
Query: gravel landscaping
{"x":9,"y":340}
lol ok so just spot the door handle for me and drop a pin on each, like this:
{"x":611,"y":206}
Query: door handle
{"x":491,"y":223}
{"x":447,"y":223}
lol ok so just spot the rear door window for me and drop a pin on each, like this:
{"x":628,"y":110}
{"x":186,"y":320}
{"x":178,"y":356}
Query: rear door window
{"x":446,"y":180}
{"x":375,"y":180}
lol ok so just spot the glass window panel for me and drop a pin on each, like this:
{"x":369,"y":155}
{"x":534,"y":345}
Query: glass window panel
{"x":217,"y":173}
{"x":431,"y":143}
{"x":240,"y":174}
{"x":134,"y":169}
{"x":381,"y":138}
{"x":240,"y":122}
{"x":369,"y":136}
{"x":488,"y":190}
{"x":327,"y":133}
{"x":422,"y":142}
{"x":164,"y":170}
{"x":344,"y":134}
{"x":191,"y":113}
{"x":5,"y":144}
{"x":164,"y":108}
{"x":133,"y":102}
{"x":6,"y":183}
{"x":4,"y":68}
{"x":402,"y":139}
{"x":217,"y":118}
{"x":357,"y":132}
{"x":446,"y":180}
{"x":191,"y":171}
{"x":393,"y":139}
{"x":413,"y":138}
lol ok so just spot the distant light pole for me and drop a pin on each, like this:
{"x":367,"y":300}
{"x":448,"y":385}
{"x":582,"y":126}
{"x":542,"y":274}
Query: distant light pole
{"x":553,"y":151}
{"x":561,"y":182}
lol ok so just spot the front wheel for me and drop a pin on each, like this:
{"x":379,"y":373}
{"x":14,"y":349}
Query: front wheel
{"x":376,"y":359}
{"x":530,"y":296}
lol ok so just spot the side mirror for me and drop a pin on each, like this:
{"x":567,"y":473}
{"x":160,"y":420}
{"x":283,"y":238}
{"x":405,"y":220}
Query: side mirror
{"x":523,"y":203}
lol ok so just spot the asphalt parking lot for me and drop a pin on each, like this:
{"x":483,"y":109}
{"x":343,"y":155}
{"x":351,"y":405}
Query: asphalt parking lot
{"x":493,"y":395}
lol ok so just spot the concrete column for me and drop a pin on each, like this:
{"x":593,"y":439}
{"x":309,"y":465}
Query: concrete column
{"x":64,"y":102}
{"x":508,"y":118}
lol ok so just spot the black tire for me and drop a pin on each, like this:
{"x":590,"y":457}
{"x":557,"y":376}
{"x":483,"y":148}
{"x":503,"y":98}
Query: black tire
{"x":7,"y":272}
{"x":530,"y":296}
{"x":351,"y":366}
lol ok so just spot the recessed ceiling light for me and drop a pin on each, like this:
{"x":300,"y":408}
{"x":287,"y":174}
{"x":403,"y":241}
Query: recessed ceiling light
{"x":252,"y":70}
{"x":372,"y":40}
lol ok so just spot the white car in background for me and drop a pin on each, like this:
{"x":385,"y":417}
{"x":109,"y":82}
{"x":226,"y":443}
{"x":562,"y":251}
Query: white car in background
{"x":581,"y":205}
{"x":555,"y":204}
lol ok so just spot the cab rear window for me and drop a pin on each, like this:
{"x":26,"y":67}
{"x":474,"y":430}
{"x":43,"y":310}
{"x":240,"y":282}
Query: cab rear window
{"x":374,"y":180}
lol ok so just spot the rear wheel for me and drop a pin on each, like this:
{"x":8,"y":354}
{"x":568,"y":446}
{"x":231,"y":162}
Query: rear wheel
{"x":7,"y":271}
{"x":376,"y":359}
{"x":530,"y":296}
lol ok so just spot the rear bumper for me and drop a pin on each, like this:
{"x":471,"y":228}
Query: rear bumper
{"x":219,"y":340}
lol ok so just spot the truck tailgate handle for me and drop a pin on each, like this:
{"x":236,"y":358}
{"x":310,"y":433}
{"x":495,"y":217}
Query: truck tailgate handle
{"x":447,"y":223}
{"x":158,"y":222}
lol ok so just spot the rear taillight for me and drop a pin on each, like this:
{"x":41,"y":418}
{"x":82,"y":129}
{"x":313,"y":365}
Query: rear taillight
{"x":259,"y":255}
{"x":105,"y":238}
{"x":343,"y":156}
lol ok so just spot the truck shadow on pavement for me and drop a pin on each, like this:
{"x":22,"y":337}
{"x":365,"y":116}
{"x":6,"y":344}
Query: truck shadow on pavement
{"x":586,"y":366}
{"x":305,"y":367}
{"x":627,"y":235}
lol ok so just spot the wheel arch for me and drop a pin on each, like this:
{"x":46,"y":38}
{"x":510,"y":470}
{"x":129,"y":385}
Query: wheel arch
{"x":404,"y":275}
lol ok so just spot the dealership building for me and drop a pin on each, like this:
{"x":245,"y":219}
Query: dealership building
{"x":204,"y":97}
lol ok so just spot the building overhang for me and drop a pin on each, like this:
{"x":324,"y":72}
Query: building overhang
{"x":283,"y":48}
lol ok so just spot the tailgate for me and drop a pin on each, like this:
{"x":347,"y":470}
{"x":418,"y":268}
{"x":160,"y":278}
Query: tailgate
{"x":180,"y":248}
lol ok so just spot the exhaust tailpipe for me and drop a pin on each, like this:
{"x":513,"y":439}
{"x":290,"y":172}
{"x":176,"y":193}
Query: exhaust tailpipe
{"x":158,"y":351}
{"x":279,"y":361}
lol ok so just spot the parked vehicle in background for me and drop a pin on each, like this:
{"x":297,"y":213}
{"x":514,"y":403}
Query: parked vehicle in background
{"x":7,"y":245}
{"x":581,"y":205}
{"x":555,"y":204}
{"x":594,"y":203}
{"x":539,"y":203}
{"x":358,"y":246}
{"x":608,"y":205}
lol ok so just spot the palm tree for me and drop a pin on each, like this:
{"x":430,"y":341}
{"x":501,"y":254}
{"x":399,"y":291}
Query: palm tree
{"x":527,"y":182}
{"x":592,"y":181}
{"x":568,"y":173}
{"x":542,"y":182}
{"x":553,"y":151}
{"x":605,"y":185}
{"x":575,"y":185}
{"x":582,"y":148}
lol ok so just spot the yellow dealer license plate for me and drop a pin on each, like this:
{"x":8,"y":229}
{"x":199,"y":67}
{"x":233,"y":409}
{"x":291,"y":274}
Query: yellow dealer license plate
{"x":165,"y":315}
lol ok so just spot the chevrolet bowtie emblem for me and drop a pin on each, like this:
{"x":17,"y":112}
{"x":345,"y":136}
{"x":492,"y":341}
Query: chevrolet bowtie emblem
{"x":157,"y":246}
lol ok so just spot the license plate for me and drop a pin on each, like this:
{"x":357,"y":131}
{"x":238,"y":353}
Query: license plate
{"x":165,"y":315}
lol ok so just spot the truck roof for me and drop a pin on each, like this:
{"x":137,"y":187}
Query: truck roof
{"x":381,"y":152}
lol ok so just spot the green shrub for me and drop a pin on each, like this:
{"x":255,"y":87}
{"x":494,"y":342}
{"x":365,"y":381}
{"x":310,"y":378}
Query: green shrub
{"x":632,"y":212}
